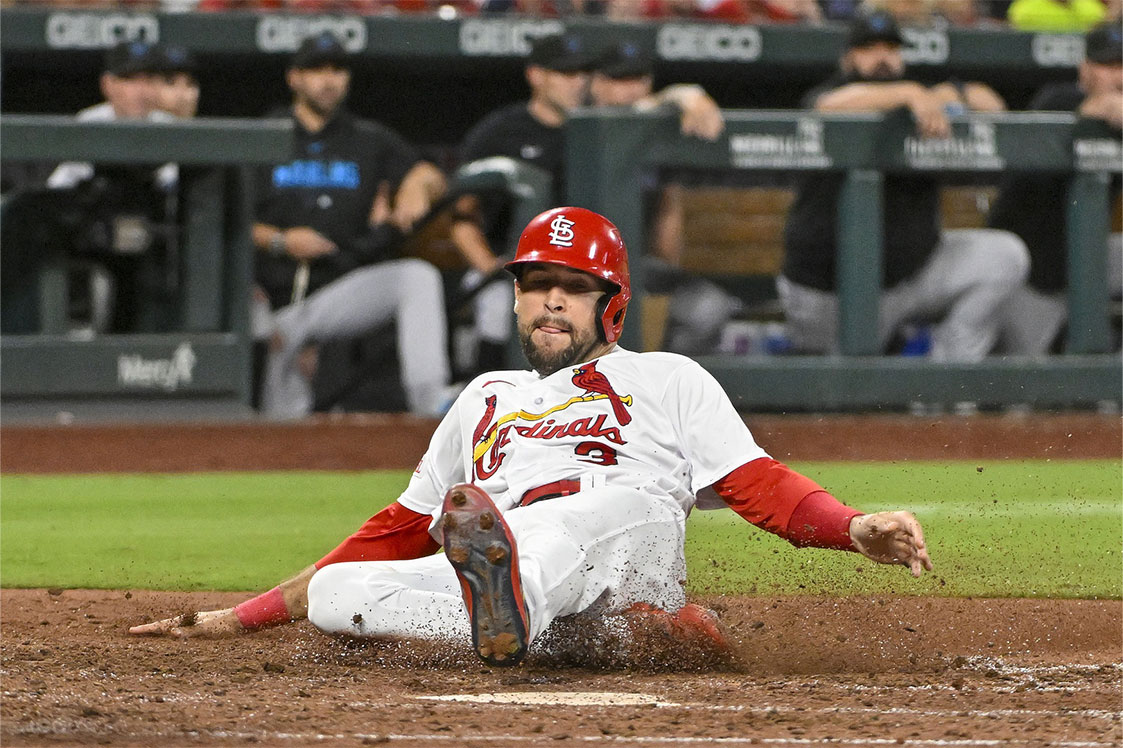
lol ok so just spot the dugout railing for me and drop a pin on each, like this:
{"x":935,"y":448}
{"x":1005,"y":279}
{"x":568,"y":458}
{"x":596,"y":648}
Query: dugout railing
{"x":204,"y":367}
{"x":610,"y":154}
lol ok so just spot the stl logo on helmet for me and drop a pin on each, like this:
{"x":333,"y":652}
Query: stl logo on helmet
{"x":561,"y":232}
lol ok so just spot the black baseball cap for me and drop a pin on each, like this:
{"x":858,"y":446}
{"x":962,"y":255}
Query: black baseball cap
{"x":322,"y":50}
{"x":1104,"y":44}
{"x":172,"y":58}
{"x":878,"y":26}
{"x":563,"y":53}
{"x":625,"y":59}
{"x":126,"y":59}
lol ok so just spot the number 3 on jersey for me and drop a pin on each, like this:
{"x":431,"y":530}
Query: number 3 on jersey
{"x":595,"y":453}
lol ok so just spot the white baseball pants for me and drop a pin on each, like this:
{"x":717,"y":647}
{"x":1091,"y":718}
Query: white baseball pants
{"x":971,"y":274}
{"x":409,"y":291}
{"x":603,"y":548}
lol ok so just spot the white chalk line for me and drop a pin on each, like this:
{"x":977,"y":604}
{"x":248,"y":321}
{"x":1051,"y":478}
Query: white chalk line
{"x":566,"y":698}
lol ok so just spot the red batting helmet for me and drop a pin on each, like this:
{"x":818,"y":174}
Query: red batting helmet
{"x":583,"y":240}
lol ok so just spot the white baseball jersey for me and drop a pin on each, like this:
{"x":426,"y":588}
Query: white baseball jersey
{"x":657,"y":422}
{"x":634,"y":438}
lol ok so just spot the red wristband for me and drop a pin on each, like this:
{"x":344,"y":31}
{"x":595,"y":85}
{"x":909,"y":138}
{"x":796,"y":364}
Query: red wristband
{"x":822,"y":521}
{"x":267,"y":609}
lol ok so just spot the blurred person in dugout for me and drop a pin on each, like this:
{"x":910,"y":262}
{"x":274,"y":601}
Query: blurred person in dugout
{"x":1033,"y":205}
{"x":959,"y":279}
{"x":176,"y":81}
{"x":327,"y":228}
{"x":102,"y":222}
{"x":558,"y":72}
{"x":623,"y":76}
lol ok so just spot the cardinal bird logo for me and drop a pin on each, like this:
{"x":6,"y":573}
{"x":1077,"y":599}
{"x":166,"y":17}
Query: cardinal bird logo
{"x":485,"y":424}
{"x":591,"y":380}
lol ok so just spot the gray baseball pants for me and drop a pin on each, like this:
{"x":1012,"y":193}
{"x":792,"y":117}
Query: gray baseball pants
{"x":1033,"y":318}
{"x":409,"y":291}
{"x":965,"y":284}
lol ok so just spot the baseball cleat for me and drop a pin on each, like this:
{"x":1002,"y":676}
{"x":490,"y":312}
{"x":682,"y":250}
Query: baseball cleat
{"x":479,"y":545}
{"x":703,"y":625}
{"x":691,"y":625}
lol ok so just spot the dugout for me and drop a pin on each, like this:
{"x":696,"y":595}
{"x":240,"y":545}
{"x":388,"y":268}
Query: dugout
{"x":409,"y":67}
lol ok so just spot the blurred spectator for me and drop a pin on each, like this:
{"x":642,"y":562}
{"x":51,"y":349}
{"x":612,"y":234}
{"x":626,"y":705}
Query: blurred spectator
{"x":530,"y":132}
{"x":1032,"y":206}
{"x":926,"y":13}
{"x":624,"y":77}
{"x":962,"y":276}
{"x":1056,"y":15}
{"x":176,"y":81}
{"x":114,"y":245}
{"x":723,"y":11}
{"x":328,"y":223}
{"x":128,"y":83}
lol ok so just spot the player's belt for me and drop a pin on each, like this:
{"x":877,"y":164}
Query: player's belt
{"x":550,"y":491}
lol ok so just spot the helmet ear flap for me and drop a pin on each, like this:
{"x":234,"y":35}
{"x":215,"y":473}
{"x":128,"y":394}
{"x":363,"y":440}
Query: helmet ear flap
{"x":601,"y":309}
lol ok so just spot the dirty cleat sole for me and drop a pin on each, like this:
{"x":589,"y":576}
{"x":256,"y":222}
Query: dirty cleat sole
{"x":481,"y":549}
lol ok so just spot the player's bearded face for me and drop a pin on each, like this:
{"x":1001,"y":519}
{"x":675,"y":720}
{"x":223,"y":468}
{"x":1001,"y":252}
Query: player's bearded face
{"x":321,"y":89}
{"x":879,"y":61}
{"x":552,"y":351}
{"x":556,"y":310}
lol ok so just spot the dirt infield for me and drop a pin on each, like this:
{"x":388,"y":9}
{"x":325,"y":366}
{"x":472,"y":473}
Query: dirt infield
{"x":924,"y":672}
{"x":810,"y":672}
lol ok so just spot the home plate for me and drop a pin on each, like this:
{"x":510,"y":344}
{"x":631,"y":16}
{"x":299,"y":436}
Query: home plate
{"x":556,"y":698}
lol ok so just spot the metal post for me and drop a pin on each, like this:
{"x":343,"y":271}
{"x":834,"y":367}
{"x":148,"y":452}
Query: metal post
{"x":203,"y":250}
{"x":1088,"y":216}
{"x":858,"y":264}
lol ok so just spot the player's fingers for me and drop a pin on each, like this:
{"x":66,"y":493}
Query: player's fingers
{"x":155,"y":627}
{"x":916,"y":535}
{"x":146,"y":629}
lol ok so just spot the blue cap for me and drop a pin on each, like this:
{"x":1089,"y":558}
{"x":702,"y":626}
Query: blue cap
{"x":126,"y":59}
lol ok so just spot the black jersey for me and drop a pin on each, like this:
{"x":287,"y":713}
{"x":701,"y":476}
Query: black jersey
{"x":514,"y":132}
{"x":910,"y":211}
{"x":1033,"y":206}
{"x":329,"y":185}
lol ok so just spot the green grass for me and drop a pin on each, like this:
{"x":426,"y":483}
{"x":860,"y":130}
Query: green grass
{"x":1046,"y":528}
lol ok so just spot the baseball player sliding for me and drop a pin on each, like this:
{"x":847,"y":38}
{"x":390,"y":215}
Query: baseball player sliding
{"x":564,"y":489}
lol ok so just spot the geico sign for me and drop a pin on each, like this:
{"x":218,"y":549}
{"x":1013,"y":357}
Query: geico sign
{"x":285,"y":33}
{"x":97,"y":31}
{"x":704,"y":42}
{"x":1058,"y":50}
{"x":502,"y":38}
{"x":925,"y":46}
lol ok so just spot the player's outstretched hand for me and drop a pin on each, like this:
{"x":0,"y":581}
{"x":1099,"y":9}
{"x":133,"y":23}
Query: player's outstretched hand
{"x":208,"y":623}
{"x":891,"y":538}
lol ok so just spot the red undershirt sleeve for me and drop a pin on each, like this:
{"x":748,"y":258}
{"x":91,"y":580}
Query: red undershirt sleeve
{"x":393,"y":534}
{"x":776,"y":498}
